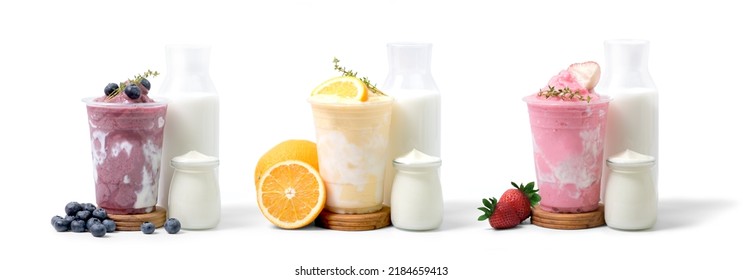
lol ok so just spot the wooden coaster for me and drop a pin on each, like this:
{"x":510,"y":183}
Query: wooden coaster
{"x":568,"y":220}
{"x":354,"y":222}
{"x":132,"y":222}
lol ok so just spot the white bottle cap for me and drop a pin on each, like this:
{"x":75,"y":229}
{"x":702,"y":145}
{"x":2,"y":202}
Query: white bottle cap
{"x":409,"y":57}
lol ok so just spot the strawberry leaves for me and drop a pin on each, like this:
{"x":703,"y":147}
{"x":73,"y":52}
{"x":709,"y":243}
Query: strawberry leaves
{"x":529,"y":191}
{"x":488,"y":209}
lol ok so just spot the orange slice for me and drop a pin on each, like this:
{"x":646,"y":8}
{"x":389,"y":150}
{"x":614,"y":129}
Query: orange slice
{"x":291,"y":194}
{"x":297,"y":149}
{"x":344,"y":87}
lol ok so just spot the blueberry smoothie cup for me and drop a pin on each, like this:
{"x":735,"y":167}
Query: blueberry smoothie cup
{"x":126,"y":137}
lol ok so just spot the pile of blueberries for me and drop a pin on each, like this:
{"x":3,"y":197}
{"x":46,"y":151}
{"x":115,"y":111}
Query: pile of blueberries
{"x":82,"y":217}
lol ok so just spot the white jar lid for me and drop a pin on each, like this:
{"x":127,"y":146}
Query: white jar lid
{"x":416,"y":159}
{"x":630,"y":158}
{"x":194,"y":159}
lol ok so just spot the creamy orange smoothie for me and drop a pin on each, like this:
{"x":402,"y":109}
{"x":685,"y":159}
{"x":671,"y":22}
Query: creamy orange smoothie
{"x":352,"y":138}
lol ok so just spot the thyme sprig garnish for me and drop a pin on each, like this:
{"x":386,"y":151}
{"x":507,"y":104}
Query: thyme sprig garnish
{"x":564,"y":93}
{"x":149,"y":73}
{"x":137,"y":80}
{"x":351,"y":73}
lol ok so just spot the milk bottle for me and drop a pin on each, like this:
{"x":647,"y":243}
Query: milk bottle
{"x":416,"y":112}
{"x":193,"y":109}
{"x":633,"y":113}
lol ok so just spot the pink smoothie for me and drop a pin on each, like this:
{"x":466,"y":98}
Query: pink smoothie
{"x":126,"y":144}
{"x":568,"y":141}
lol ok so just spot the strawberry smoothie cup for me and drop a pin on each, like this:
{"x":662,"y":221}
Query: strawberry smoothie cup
{"x":568,"y":141}
{"x":568,"y":124}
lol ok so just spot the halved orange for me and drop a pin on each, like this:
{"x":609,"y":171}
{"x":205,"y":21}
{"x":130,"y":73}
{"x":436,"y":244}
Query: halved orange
{"x":344,"y":87}
{"x":297,"y":149}
{"x":291,"y":194}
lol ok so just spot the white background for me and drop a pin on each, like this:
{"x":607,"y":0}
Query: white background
{"x":266,"y":58}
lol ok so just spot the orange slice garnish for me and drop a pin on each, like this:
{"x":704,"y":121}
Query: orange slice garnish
{"x":344,"y":87}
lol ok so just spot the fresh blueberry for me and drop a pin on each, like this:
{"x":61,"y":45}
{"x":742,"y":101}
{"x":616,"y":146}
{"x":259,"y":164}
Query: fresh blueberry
{"x":147,"y":227}
{"x":88,"y":206}
{"x":100,"y":213}
{"x":110,"y":225}
{"x":77,"y":226}
{"x":69,"y":218}
{"x":146,"y":84}
{"x":98,"y":230}
{"x":83,"y":215}
{"x":55,"y":218}
{"x":110,"y":88}
{"x":132,"y":91}
{"x":91,"y":222}
{"x":61,"y":225}
{"x":172,"y":225}
{"x":72,"y":208}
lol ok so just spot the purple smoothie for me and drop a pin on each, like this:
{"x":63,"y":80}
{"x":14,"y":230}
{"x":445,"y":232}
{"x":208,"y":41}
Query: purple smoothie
{"x":126,"y":139}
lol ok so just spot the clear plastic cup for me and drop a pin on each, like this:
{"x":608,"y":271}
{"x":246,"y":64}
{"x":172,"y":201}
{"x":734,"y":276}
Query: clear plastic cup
{"x":568,"y":141}
{"x":126,"y":147}
{"x":352,"y":143}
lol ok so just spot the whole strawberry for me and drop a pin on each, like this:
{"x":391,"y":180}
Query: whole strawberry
{"x":500,"y":215}
{"x":522,"y":198}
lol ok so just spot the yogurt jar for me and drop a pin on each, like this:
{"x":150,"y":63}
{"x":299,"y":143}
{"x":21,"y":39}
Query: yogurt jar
{"x":416,"y":200}
{"x":631,"y":201}
{"x":194,"y":191}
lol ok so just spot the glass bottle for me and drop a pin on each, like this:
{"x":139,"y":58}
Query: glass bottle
{"x":193,"y":109}
{"x":633,"y":113}
{"x":416,"y":113}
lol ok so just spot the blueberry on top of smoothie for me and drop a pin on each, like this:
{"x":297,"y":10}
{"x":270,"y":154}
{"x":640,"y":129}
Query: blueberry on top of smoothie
{"x":145,"y":83}
{"x":132,"y":91}
{"x":110,"y":89}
